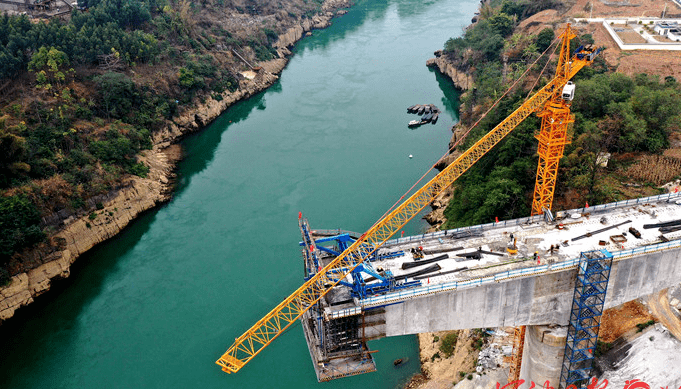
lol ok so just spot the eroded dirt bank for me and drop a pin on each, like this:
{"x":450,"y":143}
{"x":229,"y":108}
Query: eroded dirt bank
{"x":76,"y":235}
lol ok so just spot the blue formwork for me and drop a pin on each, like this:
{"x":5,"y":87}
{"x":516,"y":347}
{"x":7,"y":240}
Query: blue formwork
{"x":585,"y":317}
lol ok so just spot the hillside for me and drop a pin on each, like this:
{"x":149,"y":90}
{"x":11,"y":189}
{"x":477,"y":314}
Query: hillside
{"x":91,"y":104}
{"x":625,"y":115}
{"x":624,"y":118}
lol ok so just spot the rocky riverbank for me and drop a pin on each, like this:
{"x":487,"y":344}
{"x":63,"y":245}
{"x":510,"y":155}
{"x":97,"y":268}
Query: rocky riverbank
{"x":76,"y":235}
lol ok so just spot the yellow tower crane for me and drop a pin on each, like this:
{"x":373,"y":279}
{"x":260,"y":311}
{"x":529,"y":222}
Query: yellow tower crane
{"x":274,"y":323}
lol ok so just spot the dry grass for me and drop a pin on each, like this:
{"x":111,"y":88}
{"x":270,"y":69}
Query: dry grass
{"x":657,"y":169}
{"x":631,"y":37}
{"x":617,"y":321}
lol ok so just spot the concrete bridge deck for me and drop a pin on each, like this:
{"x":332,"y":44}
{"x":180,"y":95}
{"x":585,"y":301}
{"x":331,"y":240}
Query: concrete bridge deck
{"x":500,"y":289}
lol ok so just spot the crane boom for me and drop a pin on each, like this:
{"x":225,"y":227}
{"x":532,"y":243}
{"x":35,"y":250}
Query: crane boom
{"x":262,"y":333}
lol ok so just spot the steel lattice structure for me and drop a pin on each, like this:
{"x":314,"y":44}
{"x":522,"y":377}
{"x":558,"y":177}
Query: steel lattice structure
{"x":262,"y":333}
{"x":585,"y":318}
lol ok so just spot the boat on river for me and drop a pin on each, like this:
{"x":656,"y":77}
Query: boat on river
{"x":414,"y":123}
{"x":435,"y":116}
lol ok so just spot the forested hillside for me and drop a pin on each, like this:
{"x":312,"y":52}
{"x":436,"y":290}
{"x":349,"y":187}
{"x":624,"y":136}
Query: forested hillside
{"x":81,"y":97}
{"x":627,"y":121}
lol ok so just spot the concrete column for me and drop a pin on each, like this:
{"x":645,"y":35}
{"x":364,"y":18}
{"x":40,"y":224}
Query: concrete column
{"x":543,"y":354}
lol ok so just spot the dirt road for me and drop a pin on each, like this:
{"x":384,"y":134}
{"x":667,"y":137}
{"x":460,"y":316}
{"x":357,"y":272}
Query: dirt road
{"x":659,"y":306}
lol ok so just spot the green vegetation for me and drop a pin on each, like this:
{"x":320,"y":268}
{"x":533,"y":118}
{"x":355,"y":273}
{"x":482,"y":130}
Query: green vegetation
{"x":614,"y":114}
{"x":643,"y":326}
{"x":602,"y":348}
{"x":448,"y":344}
{"x":19,"y":220}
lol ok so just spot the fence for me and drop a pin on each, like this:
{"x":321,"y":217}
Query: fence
{"x":421,"y":291}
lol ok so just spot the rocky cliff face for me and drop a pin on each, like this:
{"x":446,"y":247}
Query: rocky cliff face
{"x":77,"y":235}
{"x":461,"y":79}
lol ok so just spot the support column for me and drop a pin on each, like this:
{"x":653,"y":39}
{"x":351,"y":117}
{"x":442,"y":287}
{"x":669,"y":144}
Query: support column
{"x":543,"y":354}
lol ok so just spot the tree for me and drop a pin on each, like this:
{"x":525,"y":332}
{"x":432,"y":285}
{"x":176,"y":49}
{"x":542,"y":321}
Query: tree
{"x":12,"y":158}
{"x":19,"y":228}
{"x":544,"y":39}
{"x":50,"y":66}
{"x":117,"y":94}
{"x":502,"y":24}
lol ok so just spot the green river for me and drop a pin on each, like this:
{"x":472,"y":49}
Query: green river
{"x":158,"y":304}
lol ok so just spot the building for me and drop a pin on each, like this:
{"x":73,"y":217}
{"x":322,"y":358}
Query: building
{"x":663,"y":28}
{"x":674,"y":34}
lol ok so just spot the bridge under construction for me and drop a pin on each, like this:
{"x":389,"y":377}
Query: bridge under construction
{"x":510,"y":273}
{"x":360,"y":287}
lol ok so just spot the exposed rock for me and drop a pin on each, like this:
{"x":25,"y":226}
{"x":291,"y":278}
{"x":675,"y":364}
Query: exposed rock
{"x":486,"y":381}
{"x":140,"y":194}
{"x":461,"y":79}
{"x":81,"y":234}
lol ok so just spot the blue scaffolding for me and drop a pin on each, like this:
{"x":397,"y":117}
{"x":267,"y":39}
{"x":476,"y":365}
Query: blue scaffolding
{"x":585,"y":317}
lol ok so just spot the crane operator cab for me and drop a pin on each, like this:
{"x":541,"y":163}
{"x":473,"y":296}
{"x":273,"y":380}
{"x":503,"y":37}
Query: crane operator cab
{"x":568,"y":91}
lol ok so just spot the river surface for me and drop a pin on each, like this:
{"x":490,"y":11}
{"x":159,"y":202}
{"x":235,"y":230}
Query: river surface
{"x":158,"y":304}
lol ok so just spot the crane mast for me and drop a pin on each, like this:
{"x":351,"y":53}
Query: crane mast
{"x":274,"y":323}
{"x":556,"y":122}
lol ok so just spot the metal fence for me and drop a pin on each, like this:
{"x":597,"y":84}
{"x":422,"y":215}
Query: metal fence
{"x":421,"y":291}
{"x":534,"y":219}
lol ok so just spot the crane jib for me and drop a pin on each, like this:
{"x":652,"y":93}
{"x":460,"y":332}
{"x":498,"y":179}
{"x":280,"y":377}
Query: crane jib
{"x":288,"y":311}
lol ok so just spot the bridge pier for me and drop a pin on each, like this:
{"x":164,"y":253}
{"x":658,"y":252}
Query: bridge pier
{"x":543,"y":354}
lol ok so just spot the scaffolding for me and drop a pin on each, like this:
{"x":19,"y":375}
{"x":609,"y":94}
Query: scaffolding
{"x":585,"y":317}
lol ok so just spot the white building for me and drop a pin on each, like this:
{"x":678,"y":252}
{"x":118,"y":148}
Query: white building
{"x":674,"y":34}
{"x":663,"y":28}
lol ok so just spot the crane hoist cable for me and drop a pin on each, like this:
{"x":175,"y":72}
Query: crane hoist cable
{"x":265,"y":330}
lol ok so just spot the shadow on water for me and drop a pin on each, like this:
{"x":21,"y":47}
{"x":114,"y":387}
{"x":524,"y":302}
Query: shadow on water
{"x":55,"y":313}
{"x":199,"y":148}
{"x":450,"y":100}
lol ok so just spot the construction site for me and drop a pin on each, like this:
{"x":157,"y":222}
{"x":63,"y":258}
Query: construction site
{"x":511,"y":273}
{"x":549,"y":275}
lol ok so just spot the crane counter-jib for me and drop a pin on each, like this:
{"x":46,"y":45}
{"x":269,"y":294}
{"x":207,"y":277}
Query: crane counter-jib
{"x":283,"y":315}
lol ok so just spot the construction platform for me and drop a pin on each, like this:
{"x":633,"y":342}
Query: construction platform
{"x":337,"y":328}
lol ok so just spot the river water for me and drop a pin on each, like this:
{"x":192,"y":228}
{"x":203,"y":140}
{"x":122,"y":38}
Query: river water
{"x":158,"y":304}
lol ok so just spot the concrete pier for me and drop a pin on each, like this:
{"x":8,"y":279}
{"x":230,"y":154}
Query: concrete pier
{"x":543,"y":354}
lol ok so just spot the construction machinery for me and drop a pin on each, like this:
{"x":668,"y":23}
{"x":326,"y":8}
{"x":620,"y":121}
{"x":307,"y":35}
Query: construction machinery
{"x":556,"y":120}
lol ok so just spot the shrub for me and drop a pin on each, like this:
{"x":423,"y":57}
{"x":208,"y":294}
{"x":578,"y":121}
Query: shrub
{"x":643,"y":326}
{"x":470,"y":376}
{"x":19,"y":218}
{"x":435,"y":356}
{"x":602,"y":348}
{"x":4,"y":277}
{"x":139,"y":169}
{"x":448,"y":344}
